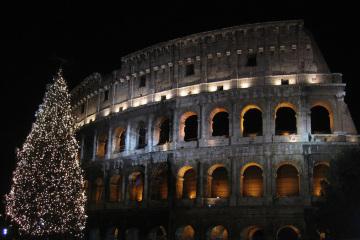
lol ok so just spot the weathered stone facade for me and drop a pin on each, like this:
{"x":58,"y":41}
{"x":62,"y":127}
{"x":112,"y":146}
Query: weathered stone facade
{"x":158,"y":182}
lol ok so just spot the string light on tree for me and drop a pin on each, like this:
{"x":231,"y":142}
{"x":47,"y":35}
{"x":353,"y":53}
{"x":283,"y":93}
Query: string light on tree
{"x":47,"y":197}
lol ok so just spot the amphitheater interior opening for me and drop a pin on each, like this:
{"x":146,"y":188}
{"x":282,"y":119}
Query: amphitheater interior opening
{"x":252,"y":123}
{"x":320,"y":174}
{"x":253,"y":182}
{"x":220,"y":124}
{"x":285,"y":122}
{"x":164,"y":135}
{"x":136,"y":188}
{"x":102,"y":146}
{"x":120,"y":140}
{"x":220,"y":183}
{"x":141,"y":136}
{"x":191,"y":128}
{"x":287,"y":181}
{"x":159,"y":186}
{"x":287,"y":233}
{"x":320,"y":120}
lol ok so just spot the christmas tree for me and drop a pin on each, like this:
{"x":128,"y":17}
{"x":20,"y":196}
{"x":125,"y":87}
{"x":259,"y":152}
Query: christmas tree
{"x":47,"y":198}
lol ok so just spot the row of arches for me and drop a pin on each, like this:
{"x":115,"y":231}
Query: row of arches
{"x":251,"y":122}
{"x":187,"y":232}
{"x":218,"y":183}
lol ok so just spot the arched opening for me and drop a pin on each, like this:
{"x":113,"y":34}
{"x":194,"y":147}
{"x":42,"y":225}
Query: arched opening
{"x":320,"y":120}
{"x":119,"y":138}
{"x":320,"y":176}
{"x":141,"y":135}
{"x":253,"y":182}
{"x":132,"y":234}
{"x":219,"y":183}
{"x":158,"y":233}
{"x":253,"y":233}
{"x":288,"y":233}
{"x":285,"y":120}
{"x":186,"y":183}
{"x":101,"y":145}
{"x":287,"y":181}
{"x":164,"y":132}
{"x":136,"y":186}
{"x":159,"y":186}
{"x":252,"y":122}
{"x":218,"y":232}
{"x":220,"y":124}
{"x":191,"y":128}
{"x":185,"y":233}
{"x":99,"y":190}
{"x":115,"y":188}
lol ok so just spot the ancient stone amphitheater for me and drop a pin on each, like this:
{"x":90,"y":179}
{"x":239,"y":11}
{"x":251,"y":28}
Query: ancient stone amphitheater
{"x":225,"y":134}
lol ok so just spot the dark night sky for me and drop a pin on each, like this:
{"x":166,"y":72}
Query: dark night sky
{"x":93,"y":38}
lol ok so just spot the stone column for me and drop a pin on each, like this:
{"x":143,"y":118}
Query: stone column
{"x":128,"y":146}
{"x":146,"y":185}
{"x":200,"y":183}
{"x":234,"y":182}
{"x":150,"y":132}
{"x":109,"y":143}
{"x":268,"y":122}
{"x":94,"y":145}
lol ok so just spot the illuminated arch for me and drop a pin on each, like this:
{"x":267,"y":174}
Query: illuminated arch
{"x":288,"y":232}
{"x":218,"y":181}
{"x":183,"y":134}
{"x":119,"y":139}
{"x":320,"y":175}
{"x":186,"y":183}
{"x":328,"y":107}
{"x":185,"y":233}
{"x":252,"y":233}
{"x":101,"y":146}
{"x":115,"y":188}
{"x":218,"y":232}
{"x":285,"y":119}
{"x":287,"y":181}
{"x":215,"y":118}
{"x":162,"y":131}
{"x":243,"y":112}
{"x":252,"y":180}
{"x":99,"y":190}
{"x":136,"y":186}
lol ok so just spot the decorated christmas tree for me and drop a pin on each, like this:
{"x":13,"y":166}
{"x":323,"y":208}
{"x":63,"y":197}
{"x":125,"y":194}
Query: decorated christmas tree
{"x":47,"y":198}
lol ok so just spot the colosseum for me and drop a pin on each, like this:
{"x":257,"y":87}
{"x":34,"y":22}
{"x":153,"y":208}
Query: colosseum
{"x":225,"y":134}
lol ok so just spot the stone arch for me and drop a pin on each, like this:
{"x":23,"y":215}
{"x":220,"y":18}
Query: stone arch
{"x":322,"y":118}
{"x":119,"y":139}
{"x":253,"y":233}
{"x":252,"y":180}
{"x":136,"y":186}
{"x":157,"y":233}
{"x":251,"y":121}
{"x":141,"y":135}
{"x":186,"y":183}
{"x":159,"y":185}
{"x":218,"y":232}
{"x":320,"y":176}
{"x":285,"y":119}
{"x":162,"y":131}
{"x":189,"y":126}
{"x":101,"y":146}
{"x":287,"y":181}
{"x":115,"y":188}
{"x":99,"y":190}
{"x":185,"y":233}
{"x":218,"y":181}
{"x":288,"y":232}
{"x":219,"y":122}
